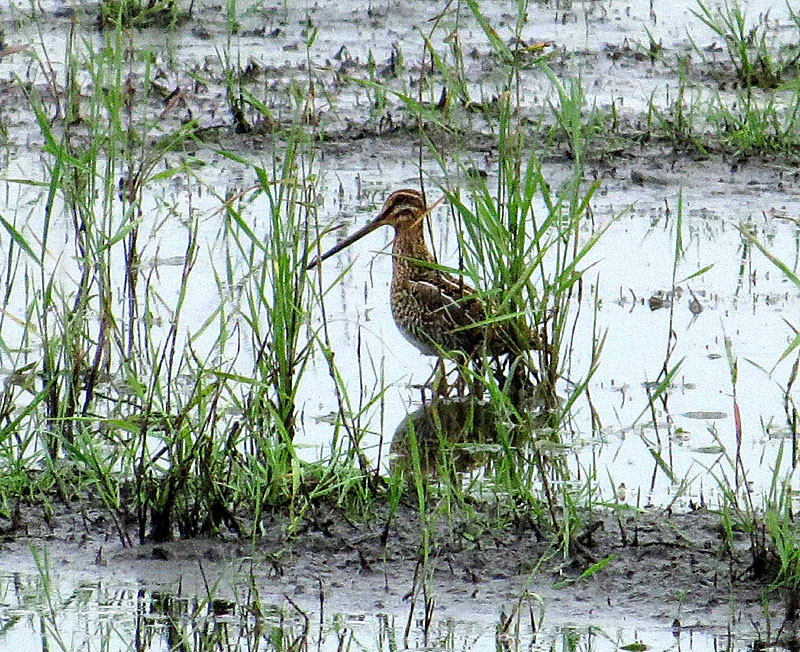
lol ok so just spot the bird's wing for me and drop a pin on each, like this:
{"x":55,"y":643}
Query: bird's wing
{"x":446,"y":299}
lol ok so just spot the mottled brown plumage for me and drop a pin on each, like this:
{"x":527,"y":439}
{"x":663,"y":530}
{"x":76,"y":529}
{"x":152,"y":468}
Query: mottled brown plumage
{"x":434,"y":310}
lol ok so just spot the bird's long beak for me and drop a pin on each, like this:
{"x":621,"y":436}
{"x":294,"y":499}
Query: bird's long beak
{"x":369,"y":227}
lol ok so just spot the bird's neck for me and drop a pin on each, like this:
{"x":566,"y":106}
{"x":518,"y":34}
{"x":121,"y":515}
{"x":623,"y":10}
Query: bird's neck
{"x":409,"y":244}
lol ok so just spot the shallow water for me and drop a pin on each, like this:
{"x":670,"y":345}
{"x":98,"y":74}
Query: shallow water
{"x":632,"y":263}
{"x":74,"y":612}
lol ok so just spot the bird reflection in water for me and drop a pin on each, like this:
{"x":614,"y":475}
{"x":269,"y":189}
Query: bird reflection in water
{"x":464,"y":433}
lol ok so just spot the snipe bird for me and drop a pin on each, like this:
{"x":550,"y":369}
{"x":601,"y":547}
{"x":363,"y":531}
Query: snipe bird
{"x":435,"y":311}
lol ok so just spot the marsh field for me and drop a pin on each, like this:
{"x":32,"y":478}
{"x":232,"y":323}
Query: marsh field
{"x":205,"y":445}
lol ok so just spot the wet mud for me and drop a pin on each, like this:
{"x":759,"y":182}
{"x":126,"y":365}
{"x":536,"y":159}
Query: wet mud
{"x":662,"y":570}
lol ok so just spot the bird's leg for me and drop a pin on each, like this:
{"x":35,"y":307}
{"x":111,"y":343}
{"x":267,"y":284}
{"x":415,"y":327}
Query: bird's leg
{"x":521,"y":386}
{"x":438,"y":381}
{"x":479,"y":368}
{"x":462,"y":383}
{"x":440,"y":387}
{"x":497,"y":372}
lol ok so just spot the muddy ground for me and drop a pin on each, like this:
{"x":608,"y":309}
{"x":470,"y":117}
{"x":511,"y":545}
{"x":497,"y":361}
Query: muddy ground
{"x":663,"y":570}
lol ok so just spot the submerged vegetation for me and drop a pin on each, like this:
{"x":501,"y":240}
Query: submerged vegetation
{"x":162,"y":337}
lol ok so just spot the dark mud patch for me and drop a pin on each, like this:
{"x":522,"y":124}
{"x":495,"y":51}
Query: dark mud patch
{"x":667,"y":569}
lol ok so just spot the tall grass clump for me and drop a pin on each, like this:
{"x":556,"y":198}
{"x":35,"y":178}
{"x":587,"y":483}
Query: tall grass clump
{"x":528,"y":235}
{"x":522,"y":244}
{"x":177,"y":430}
{"x":268,"y":294}
{"x":109,"y":339}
